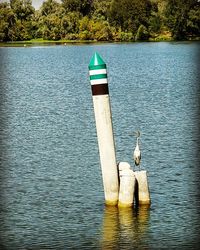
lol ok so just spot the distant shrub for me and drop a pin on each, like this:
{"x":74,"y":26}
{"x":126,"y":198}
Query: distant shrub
{"x":71,"y":36}
{"x":142,"y":33}
{"x":123,"y":36}
{"x":84,"y":35}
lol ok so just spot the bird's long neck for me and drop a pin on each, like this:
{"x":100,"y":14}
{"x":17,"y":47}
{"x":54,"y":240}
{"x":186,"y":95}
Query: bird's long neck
{"x":137,"y":144}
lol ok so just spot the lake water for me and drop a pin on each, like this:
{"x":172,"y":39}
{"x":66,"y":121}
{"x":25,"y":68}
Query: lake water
{"x":50,"y":177}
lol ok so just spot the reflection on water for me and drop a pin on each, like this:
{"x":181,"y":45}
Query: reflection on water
{"x":110,"y":228}
{"x":50,"y":178}
{"x":124,"y":228}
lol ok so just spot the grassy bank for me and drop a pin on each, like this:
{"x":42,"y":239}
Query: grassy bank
{"x":42,"y":42}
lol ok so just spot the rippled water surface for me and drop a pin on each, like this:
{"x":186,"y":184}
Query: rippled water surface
{"x":50,"y":177}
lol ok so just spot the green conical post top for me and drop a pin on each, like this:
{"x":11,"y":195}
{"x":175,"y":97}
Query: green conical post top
{"x":97,"y":62}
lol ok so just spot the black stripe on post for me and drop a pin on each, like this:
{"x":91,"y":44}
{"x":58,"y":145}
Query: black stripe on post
{"x":100,"y":89}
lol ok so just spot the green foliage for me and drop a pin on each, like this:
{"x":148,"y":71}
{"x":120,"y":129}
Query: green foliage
{"x":101,"y":20}
{"x":142,"y":33}
{"x":16,"y":20}
{"x":101,"y":9}
{"x":51,"y":25}
{"x":49,"y":7}
{"x":121,"y":36}
{"x":129,"y":14}
{"x":71,"y":24}
{"x":193,"y":21}
{"x":100,"y":30}
{"x":91,"y":29}
{"x":7,"y":20}
{"x":155,"y":22}
{"x":23,"y":9}
{"x":82,"y":6}
{"x":180,"y":16}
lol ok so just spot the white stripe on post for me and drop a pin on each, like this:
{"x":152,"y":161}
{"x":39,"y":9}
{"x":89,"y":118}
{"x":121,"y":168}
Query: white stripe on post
{"x":99,"y":81}
{"x":97,"y":72}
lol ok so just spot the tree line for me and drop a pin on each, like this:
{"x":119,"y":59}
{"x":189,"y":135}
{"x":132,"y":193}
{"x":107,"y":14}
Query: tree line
{"x":100,"y":20}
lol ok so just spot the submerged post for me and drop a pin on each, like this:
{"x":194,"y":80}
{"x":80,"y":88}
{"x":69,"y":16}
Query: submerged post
{"x":102,"y":111}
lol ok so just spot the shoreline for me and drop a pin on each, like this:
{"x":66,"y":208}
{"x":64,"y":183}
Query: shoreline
{"x":41,"y":42}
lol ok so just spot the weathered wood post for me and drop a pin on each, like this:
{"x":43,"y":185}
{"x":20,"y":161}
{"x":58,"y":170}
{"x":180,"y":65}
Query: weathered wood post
{"x":142,"y":188}
{"x":123,"y":165}
{"x":102,"y":111}
{"x":127,"y":188}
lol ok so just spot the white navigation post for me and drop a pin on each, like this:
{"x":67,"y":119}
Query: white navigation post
{"x":102,"y":111}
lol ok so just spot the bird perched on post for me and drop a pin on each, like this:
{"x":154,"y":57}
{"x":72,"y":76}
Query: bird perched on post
{"x":137,"y":152}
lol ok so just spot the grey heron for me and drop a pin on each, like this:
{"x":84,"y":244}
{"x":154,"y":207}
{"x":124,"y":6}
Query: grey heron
{"x":137,"y":152}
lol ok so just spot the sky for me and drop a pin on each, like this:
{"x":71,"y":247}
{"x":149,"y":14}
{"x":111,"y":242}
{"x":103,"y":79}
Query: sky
{"x":36,"y":3}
